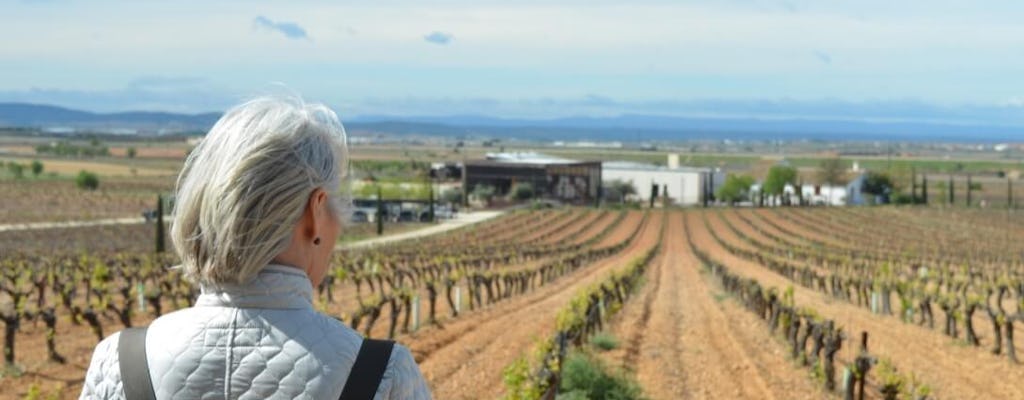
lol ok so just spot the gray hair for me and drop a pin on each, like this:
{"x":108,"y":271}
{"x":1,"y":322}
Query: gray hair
{"x":247,"y":183}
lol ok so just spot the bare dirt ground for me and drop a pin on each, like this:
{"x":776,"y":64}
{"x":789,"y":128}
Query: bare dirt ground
{"x":685,"y":340}
{"x":465,"y":359}
{"x":48,"y":200}
{"x":680,"y":334}
{"x":346,"y":299}
{"x":71,"y":167}
{"x":953,"y":370}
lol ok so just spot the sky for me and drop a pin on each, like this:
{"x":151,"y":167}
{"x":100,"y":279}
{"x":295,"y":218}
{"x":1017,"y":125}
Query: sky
{"x":957,"y":61}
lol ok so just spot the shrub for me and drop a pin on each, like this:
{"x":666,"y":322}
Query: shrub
{"x":618,"y":190}
{"x":604,"y":341}
{"x":586,"y":377}
{"x":130,"y":152}
{"x":483,"y":192}
{"x":87,"y":180}
{"x":37,"y":167}
{"x":16,"y":170}
{"x":735,"y":189}
{"x":453,"y":195}
{"x":522,"y":191}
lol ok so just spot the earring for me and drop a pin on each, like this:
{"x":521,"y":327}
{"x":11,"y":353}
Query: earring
{"x":316,"y":241}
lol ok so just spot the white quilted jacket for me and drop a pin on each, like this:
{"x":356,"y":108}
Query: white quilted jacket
{"x":260,"y":340}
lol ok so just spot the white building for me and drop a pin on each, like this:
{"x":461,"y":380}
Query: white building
{"x":685,"y":185}
{"x":819,"y":195}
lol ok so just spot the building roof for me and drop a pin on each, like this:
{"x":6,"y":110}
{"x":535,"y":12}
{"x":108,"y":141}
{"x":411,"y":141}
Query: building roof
{"x":635,"y":166}
{"x":527,"y":158}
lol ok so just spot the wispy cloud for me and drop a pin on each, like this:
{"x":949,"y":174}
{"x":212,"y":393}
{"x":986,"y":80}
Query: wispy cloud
{"x":290,"y":30}
{"x":824,"y":57}
{"x":439,"y":38}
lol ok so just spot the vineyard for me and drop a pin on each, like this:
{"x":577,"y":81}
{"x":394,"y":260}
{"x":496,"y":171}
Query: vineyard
{"x":713,"y":303}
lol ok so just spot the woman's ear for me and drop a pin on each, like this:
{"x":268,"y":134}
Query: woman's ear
{"x":316,"y":211}
{"x":318,"y":202}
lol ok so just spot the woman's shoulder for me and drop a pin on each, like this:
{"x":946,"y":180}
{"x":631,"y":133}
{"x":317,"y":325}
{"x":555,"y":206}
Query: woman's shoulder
{"x":103,"y":378}
{"x":402,"y":378}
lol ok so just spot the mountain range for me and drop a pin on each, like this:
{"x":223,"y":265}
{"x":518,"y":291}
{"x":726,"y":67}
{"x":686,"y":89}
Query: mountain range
{"x":623,"y":128}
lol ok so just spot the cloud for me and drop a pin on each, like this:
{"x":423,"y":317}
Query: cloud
{"x":290,"y":30}
{"x":439,"y":38}
{"x":824,"y":57}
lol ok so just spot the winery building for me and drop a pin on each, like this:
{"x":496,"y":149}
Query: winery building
{"x":570,"y":181}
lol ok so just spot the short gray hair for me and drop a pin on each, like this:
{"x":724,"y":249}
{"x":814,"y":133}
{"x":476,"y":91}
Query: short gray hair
{"x":247,"y":183}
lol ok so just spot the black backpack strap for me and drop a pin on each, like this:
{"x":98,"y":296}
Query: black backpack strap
{"x":131,"y":357}
{"x":368,"y":370}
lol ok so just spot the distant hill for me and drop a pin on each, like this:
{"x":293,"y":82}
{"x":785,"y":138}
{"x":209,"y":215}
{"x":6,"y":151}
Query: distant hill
{"x":632,"y":127}
{"x":625,"y":128}
{"x":47,"y":116}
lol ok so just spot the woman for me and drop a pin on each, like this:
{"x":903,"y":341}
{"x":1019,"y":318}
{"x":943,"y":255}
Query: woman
{"x":257,"y":213}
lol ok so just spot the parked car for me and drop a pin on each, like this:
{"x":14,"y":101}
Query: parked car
{"x":406,"y":216}
{"x":359,"y":216}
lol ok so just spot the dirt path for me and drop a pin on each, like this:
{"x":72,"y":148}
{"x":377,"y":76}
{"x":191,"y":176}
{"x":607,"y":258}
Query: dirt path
{"x":468,"y":364}
{"x":953,"y":370}
{"x":684,"y":340}
{"x":462,"y":220}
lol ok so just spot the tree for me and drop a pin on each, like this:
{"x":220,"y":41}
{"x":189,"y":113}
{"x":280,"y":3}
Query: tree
{"x":483,"y":192}
{"x":831,"y":171}
{"x":618,"y":190}
{"x":16,"y":170}
{"x":522,"y":191}
{"x":37,"y":167}
{"x":878,"y":184}
{"x":778,"y":177}
{"x":453,"y":195}
{"x":87,"y":180}
{"x":130,"y":152}
{"x":735,"y":189}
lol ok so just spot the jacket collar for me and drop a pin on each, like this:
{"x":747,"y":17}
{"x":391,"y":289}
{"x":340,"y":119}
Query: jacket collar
{"x":275,"y":286}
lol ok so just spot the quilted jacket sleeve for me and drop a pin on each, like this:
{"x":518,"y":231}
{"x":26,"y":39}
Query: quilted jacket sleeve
{"x":103,"y":379}
{"x":402,"y":379}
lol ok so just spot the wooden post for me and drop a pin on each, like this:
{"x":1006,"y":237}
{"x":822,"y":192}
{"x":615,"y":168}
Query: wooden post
{"x":380,"y":212}
{"x":969,"y":189}
{"x":160,"y":242}
{"x":432,"y":202}
{"x":924,"y":189}
{"x":654,"y":194}
{"x":913,"y":185}
{"x":706,"y":197}
{"x":863,"y":365}
{"x":1009,"y":193}
{"x":800,"y":192}
{"x":951,"y":200}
